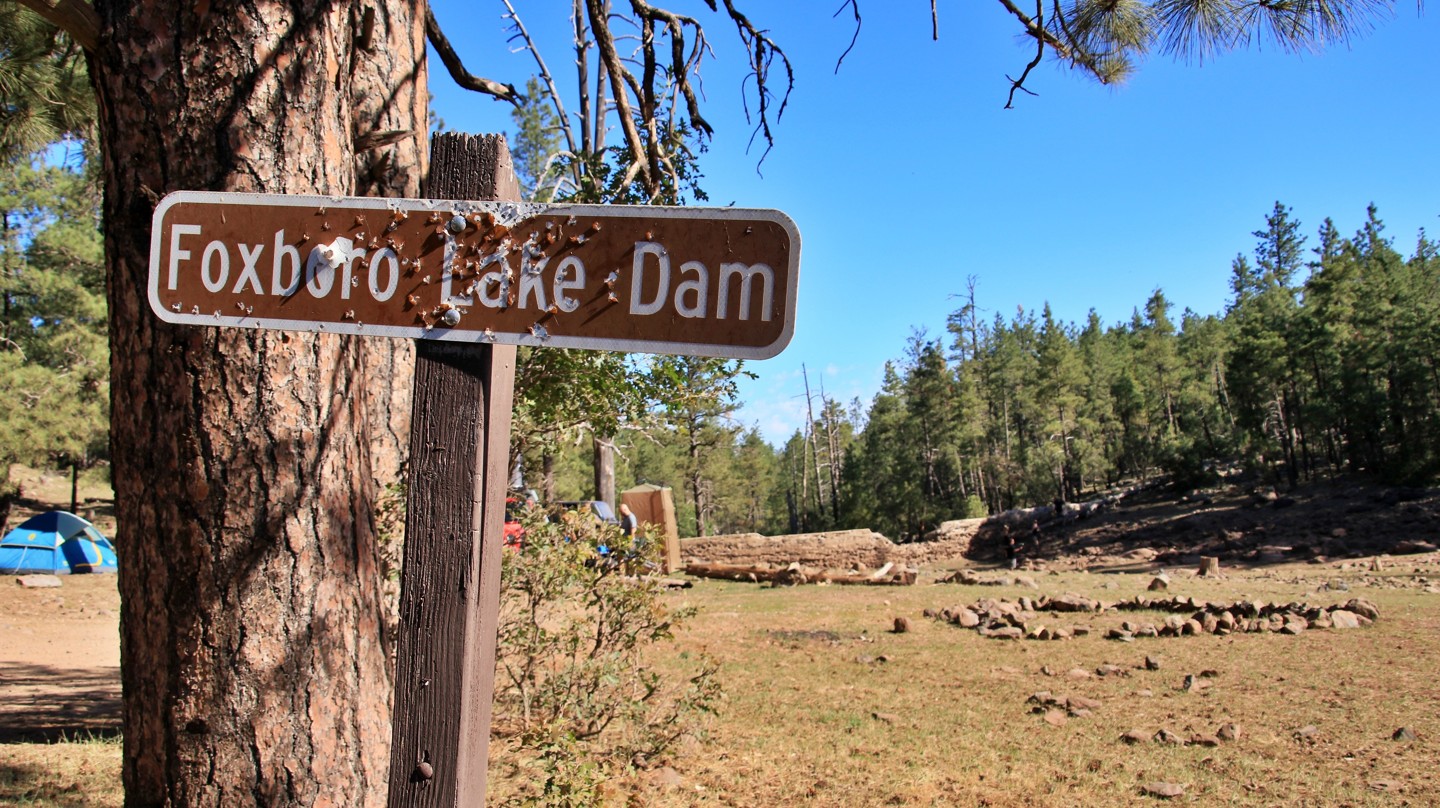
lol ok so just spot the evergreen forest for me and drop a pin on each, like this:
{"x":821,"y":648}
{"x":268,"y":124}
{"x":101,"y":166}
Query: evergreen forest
{"x":1323,"y":362}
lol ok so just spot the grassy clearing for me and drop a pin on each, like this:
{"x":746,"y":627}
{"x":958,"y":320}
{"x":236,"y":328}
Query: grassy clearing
{"x":944,"y":719}
{"x":813,"y":716}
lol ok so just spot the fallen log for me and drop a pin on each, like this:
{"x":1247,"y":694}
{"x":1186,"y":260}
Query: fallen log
{"x":902,"y":577}
{"x":755,"y":573}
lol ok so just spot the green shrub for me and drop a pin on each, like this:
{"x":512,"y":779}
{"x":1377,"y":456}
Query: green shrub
{"x":574,"y":691}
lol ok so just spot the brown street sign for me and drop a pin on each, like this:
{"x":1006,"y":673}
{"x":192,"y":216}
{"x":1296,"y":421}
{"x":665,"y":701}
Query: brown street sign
{"x":703,"y":281}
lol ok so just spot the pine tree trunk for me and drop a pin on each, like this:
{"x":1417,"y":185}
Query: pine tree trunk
{"x":246,"y":462}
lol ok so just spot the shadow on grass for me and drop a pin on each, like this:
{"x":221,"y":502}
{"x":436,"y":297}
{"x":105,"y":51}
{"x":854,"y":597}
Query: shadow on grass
{"x":44,"y":704}
{"x":34,"y":783}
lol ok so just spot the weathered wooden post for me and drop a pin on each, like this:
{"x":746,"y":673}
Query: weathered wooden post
{"x":455,"y":506}
{"x":470,"y":280}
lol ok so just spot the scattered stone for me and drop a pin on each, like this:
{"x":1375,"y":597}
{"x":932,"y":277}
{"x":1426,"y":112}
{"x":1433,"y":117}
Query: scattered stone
{"x":1204,"y":740}
{"x":885,"y":718}
{"x":1193,"y":683}
{"x":1026,"y":581}
{"x":1159,"y":583}
{"x":1056,"y":718}
{"x":1135,"y":736}
{"x":1111,"y":670}
{"x":964,"y":618}
{"x":1307,"y":733}
{"x":1078,"y":673}
{"x":1228,"y":732}
{"x":1082,"y":703}
{"x":1403,"y":734}
{"x":1165,"y":736}
{"x":902,"y":625}
{"x":1386,"y":785}
{"x":1119,"y":634}
{"x":38,"y":581}
{"x":1042,"y":699}
{"x":1343,"y":619}
{"x":1004,"y":633}
{"x":1162,"y":790}
{"x":1145,"y":693}
{"x":1152,"y":663}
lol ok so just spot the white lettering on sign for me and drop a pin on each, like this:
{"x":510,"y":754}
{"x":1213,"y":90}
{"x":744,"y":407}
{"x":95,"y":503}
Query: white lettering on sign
{"x":340,"y":263}
{"x":698,"y":287}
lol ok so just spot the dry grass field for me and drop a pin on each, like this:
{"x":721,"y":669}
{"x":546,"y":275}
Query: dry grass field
{"x":826,"y":705}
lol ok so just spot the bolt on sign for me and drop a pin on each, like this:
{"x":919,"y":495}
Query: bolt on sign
{"x":704,"y":281}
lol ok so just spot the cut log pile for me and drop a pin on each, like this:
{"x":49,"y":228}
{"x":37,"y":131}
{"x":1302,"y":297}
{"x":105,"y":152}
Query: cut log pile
{"x":1003,"y":619}
{"x":794,"y":574}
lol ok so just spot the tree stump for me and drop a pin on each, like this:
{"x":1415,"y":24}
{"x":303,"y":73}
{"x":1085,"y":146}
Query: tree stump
{"x":1209,"y":567}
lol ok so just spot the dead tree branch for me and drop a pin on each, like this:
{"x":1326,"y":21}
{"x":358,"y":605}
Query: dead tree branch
{"x":463,"y":77}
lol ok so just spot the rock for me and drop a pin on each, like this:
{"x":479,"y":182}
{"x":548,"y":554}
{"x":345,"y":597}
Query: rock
{"x":1228,"y":732}
{"x":1111,"y":670}
{"x":1152,"y":663}
{"x":1145,"y":693}
{"x":1078,"y":673}
{"x":1386,"y":785}
{"x":1412,"y":546}
{"x":930,"y":614}
{"x":1159,"y":583}
{"x":1342,"y":619}
{"x":666,"y":778}
{"x":1224,"y":623}
{"x":1190,"y":628}
{"x":1056,"y":718}
{"x":1163,"y":790}
{"x":1294,"y":625}
{"x":902,"y":625}
{"x":1363,"y":607}
{"x":1403,"y":734}
{"x":1082,"y":703}
{"x":885,"y":718}
{"x":1004,"y":633}
{"x":1204,"y":740}
{"x":1193,"y":683}
{"x":1135,"y":736}
{"x":1026,"y":581}
{"x":964,"y":618}
{"x":1165,"y":736}
{"x":38,"y":581}
{"x":1042,"y":698}
{"x":1307,"y":733}
{"x":1119,"y":634}
{"x":1073,"y":603}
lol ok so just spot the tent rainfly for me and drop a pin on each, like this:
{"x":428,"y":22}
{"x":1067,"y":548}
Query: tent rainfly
{"x":55,"y":543}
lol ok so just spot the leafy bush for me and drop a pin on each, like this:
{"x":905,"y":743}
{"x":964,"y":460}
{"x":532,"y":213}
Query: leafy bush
{"x":574,"y":687}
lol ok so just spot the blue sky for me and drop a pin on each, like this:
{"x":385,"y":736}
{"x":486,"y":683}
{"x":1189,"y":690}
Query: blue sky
{"x":906,"y":175}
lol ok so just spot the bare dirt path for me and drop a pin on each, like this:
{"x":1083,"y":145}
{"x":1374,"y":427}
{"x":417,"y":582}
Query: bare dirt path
{"x":59,"y":659}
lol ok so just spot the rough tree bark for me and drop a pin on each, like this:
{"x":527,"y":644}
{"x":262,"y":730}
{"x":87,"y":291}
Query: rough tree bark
{"x":246,"y":463}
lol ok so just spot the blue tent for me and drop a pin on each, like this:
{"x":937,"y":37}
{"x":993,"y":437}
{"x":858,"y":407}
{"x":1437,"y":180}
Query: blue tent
{"x":57,"y":543}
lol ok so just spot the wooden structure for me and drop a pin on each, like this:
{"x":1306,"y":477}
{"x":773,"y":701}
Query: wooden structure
{"x":655,"y":505}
